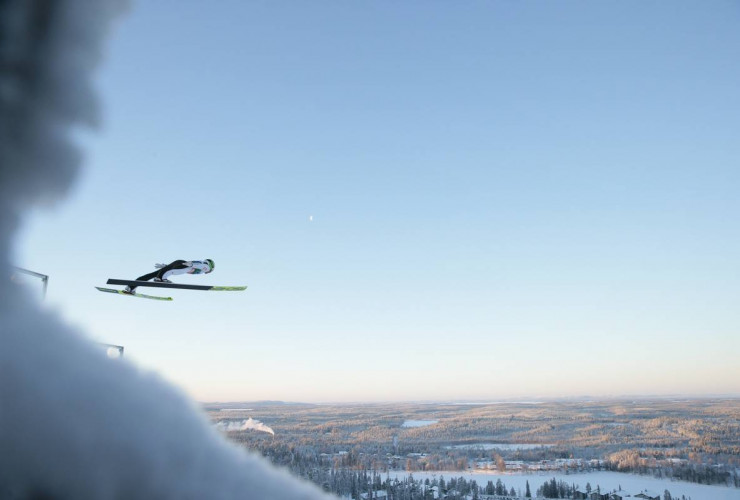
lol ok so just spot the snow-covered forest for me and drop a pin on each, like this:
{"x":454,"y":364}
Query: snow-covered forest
{"x":343,"y":448}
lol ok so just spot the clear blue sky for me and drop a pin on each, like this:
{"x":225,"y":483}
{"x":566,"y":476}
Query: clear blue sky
{"x":508,"y":198}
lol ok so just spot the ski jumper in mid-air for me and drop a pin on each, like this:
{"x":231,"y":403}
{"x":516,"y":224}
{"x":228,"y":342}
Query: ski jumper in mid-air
{"x":164,"y":271}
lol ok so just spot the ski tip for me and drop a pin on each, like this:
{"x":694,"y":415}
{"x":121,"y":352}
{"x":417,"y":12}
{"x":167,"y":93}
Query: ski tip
{"x":139,"y":295}
{"x":228,"y":288}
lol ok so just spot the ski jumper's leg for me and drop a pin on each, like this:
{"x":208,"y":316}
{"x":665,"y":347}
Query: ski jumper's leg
{"x":159,"y":272}
{"x":146,"y":277}
{"x":178,"y":264}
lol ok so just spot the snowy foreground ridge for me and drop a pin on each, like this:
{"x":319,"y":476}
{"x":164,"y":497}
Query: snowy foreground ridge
{"x":74,"y":425}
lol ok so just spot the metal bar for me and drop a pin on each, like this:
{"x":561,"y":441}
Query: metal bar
{"x":32,"y":273}
{"x":44,"y":278}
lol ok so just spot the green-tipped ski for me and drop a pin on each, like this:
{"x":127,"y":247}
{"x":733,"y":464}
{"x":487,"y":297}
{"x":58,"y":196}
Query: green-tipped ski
{"x":179,"y":286}
{"x":140,"y":295}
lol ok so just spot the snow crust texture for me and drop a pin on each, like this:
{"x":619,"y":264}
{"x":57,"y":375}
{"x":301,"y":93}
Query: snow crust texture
{"x":73,"y":423}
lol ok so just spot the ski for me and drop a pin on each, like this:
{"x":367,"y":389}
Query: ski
{"x":177,"y":285}
{"x":140,"y":295}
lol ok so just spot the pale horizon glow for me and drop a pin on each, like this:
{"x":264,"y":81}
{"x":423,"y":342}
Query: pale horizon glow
{"x":427,"y":201}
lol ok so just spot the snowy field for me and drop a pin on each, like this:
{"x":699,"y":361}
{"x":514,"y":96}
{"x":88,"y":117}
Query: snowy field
{"x":418,"y":423}
{"x":608,"y":481}
{"x":497,"y":446}
{"x":481,"y":403}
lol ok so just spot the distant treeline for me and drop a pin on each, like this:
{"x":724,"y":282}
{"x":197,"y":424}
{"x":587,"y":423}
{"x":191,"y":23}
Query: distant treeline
{"x":302,"y":459}
{"x":700,"y":431}
{"x":631,"y":461}
{"x":697,"y":441}
{"x":367,"y":485}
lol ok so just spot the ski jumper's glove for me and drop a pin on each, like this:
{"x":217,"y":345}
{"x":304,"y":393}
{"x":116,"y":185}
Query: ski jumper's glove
{"x":159,"y":266}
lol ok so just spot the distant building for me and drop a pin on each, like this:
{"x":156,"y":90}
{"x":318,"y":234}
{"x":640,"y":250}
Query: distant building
{"x":379,"y":494}
{"x":514,"y":465}
{"x":580,"y":495}
{"x":648,"y":495}
{"x":619,"y":495}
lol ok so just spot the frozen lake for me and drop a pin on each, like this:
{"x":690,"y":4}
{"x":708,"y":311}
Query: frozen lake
{"x":608,"y":481}
{"x":497,"y":446}
{"x":418,"y":423}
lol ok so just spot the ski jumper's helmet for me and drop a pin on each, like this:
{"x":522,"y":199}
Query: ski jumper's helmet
{"x":210,"y":263}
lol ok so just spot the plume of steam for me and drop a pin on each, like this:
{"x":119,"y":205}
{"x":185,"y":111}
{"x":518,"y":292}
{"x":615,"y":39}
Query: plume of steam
{"x":250,"y":423}
{"x":118,"y":433}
